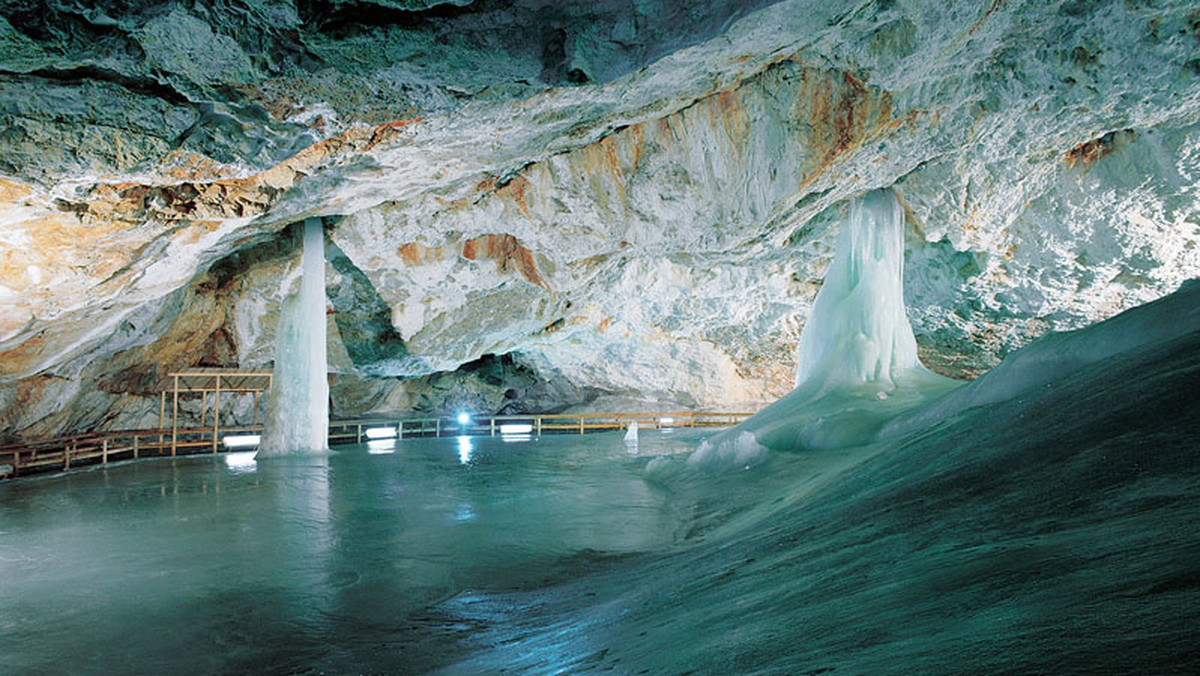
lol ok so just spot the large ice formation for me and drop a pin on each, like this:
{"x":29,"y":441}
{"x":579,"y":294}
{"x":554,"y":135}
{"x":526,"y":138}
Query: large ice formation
{"x":298,"y":408}
{"x":857,"y":363}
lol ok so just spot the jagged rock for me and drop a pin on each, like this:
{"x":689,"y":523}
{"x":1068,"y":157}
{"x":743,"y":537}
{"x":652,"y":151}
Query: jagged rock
{"x":630,"y":200}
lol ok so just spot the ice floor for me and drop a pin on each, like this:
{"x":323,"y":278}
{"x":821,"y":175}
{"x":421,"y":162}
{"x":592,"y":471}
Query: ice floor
{"x":1051,"y":531}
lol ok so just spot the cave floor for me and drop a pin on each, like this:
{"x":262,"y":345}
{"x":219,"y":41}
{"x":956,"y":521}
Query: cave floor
{"x":1055,"y":534}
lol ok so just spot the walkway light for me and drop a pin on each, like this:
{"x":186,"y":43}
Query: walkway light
{"x":241,"y":440}
{"x":463,"y":417}
{"x":381,"y":432}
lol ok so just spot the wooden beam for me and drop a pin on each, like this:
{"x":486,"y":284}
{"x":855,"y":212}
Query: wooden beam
{"x":217,"y":415}
{"x":175,"y":419}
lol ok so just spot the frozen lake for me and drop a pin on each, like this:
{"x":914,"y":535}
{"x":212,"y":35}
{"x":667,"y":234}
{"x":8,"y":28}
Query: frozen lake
{"x":212,"y":564}
{"x":1051,"y":533}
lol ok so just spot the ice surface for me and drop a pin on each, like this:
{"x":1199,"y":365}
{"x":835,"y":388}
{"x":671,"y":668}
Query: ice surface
{"x":1056,"y":356}
{"x":1050,"y":532}
{"x":298,"y":405}
{"x":221,"y":564}
{"x":857,"y":365}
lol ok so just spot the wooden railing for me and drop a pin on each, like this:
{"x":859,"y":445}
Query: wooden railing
{"x":355,"y":431}
{"x":62,"y":453}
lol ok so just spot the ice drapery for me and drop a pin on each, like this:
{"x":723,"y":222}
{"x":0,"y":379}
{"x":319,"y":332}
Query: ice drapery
{"x":857,"y":365}
{"x":858,"y":331}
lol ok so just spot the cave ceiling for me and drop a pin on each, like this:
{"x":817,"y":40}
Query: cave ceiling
{"x":635,"y":198}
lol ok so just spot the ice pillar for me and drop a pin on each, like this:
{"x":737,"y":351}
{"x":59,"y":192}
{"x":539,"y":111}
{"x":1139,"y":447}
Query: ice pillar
{"x":298,"y":406}
{"x":858,"y":331}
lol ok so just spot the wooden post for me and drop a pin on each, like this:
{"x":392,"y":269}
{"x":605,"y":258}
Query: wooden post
{"x":358,"y":434}
{"x":538,"y":424}
{"x":400,"y":430}
{"x":203,"y":407}
{"x":256,"y":407}
{"x":217,"y":414}
{"x":162,"y":419}
{"x":175,"y":419}
{"x":67,"y":457}
{"x":135,"y":446}
{"x":104,"y":451}
{"x":581,"y":424}
{"x":437,"y":427}
{"x":493,"y":426}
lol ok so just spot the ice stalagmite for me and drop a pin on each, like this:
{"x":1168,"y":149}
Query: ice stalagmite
{"x":858,"y":331}
{"x":298,"y":407}
{"x":857,"y":364}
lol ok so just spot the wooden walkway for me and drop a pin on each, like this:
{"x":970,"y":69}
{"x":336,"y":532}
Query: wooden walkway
{"x":63,"y":453}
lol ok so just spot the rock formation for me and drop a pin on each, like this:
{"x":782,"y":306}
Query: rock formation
{"x":541,"y":204}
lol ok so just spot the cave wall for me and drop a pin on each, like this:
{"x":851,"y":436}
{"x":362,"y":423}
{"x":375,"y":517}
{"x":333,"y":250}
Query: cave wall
{"x":627,"y":200}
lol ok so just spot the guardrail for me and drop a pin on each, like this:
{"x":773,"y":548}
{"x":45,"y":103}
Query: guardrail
{"x":63,"y":453}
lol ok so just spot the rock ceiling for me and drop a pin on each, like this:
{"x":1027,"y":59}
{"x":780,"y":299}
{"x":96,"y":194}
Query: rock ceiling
{"x":545,"y":202}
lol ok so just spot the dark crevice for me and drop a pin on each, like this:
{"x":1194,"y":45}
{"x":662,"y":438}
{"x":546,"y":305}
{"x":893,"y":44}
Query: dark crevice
{"x":364,"y":321}
{"x":79,"y":74}
{"x":334,"y":18}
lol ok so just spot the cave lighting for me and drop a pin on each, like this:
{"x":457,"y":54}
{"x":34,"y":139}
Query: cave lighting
{"x":381,"y":432}
{"x":241,"y":440}
{"x":463,"y":417}
{"x":666,"y":420}
{"x":516,"y":428}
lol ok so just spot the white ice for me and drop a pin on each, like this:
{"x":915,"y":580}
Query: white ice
{"x":298,"y":405}
{"x":857,"y":363}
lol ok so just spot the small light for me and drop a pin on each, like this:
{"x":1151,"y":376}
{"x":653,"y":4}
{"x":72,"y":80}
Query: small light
{"x":516,"y":428}
{"x":667,"y":420}
{"x":381,"y":433}
{"x":464,"y":418}
{"x":241,"y":440}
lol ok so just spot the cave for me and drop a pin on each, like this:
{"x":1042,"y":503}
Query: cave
{"x":655,"y":337}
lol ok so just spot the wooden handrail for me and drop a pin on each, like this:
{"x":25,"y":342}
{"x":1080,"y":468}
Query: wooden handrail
{"x":62,"y":452}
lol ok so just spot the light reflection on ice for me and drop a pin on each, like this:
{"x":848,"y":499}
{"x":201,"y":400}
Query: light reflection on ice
{"x":380,"y":446}
{"x":241,"y":462}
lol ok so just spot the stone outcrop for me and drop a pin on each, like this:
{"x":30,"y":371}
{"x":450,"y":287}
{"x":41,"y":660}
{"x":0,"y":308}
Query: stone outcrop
{"x":631,"y":200}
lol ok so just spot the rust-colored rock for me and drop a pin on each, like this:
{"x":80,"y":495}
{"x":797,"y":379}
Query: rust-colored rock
{"x":508,"y":253}
{"x":1088,"y":153}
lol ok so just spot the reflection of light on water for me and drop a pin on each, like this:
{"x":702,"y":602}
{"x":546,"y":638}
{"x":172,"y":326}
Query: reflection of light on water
{"x":465,"y":513}
{"x":464,"y":449}
{"x":381,"y":432}
{"x":241,"y":462}
{"x":379,"y":446}
{"x":510,"y":438}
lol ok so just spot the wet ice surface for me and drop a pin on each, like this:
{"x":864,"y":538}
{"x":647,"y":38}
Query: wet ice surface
{"x":223,"y":564}
{"x":1050,"y":533}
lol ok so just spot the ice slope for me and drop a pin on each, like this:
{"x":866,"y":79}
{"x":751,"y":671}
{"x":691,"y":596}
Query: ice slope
{"x":1051,"y":532}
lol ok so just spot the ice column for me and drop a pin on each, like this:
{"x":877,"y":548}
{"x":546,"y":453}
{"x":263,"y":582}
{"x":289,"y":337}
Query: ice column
{"x":858,"y":331}
{"x":298,"y":405}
